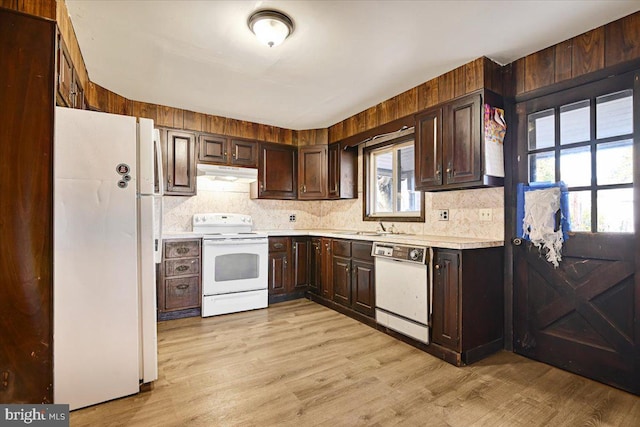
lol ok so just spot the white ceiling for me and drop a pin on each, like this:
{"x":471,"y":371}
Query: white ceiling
{"x":343,"y":57}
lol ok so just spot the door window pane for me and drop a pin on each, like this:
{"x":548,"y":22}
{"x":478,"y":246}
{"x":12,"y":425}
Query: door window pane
{"x":614,"y":162}
{"x":408,"y":198}
{"x":580,"y":210}
{"x":383,"y":189}
{"x":575,"y":166}
{"x":574,"y":122}
{"x":615,"y":210}
{"x":542,"y":167}
{"x":542,"y":131}
{"x":614,"y":114}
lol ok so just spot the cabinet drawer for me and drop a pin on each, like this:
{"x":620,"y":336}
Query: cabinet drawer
{"x":342,"y":248}
{"x":362,"y":251}
{"x":278,"y":244}
{"x":182,"y":293}
{"x":181,"y":267}
{"x":182,"y":249}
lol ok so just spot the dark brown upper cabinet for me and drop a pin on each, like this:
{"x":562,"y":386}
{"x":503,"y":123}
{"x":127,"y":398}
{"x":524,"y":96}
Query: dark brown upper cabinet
{"x":69,"y":91}
{"x":180,"y":157}
{"x":222,"y":150}
{"x":277,"y":172}
{"x":343,"y":172}
{"x":450,"y":144}
{"x":312,"y":172}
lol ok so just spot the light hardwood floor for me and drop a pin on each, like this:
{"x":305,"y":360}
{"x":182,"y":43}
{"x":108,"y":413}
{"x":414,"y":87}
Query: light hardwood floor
{"x":300,"y":364}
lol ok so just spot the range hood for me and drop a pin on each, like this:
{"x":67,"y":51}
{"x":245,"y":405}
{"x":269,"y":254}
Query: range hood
{"x":227,"y":173}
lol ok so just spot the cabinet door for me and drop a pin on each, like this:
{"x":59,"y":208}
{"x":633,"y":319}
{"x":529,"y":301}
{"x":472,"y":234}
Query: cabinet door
{"x":312,"y":172}
{"x":342,"y":172}
{"x":342,"y":280}
{"x":462,"y":159}
{"x":277,"y":171}
{"x":363,"y":287}
{"x":212,"y":149}
{"x":78,"y":93}
{"x":278,"y":273}
{"x":327,"y":268}
{"x":65,"y":75}
{"x":244,"y":153}
{"x":181,"y":163}
{"x":315,"y":266}
{"x":428,"y":159}
{"x":301,"y":263}
{"x":446,"y":299}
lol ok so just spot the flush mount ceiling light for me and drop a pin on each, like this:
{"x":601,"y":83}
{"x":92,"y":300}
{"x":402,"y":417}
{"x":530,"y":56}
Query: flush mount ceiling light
{"x":270,"y":27}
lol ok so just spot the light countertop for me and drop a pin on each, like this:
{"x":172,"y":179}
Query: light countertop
{"x":446,"y":242}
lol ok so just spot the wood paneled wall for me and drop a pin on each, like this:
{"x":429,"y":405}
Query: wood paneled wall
{"x":477,"y":74}
{"x":43,"y":8}
{"x":607,"y":46}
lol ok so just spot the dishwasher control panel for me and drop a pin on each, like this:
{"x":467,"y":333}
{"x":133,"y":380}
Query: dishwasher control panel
{"x":417,"y":254}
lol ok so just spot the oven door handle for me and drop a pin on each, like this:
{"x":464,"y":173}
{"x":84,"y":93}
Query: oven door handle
{"x":243,"y":241}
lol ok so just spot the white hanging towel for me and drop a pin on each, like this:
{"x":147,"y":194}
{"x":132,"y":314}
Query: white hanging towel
{"x":540,"y":207}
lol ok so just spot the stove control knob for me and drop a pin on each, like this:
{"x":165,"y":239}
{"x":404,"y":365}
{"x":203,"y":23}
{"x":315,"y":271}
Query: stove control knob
{"x":196,"y":219}
{"x":415,"y":254}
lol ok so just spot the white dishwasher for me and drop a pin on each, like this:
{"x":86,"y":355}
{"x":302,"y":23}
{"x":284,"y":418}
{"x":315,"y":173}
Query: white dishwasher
{"x":403,"y":288}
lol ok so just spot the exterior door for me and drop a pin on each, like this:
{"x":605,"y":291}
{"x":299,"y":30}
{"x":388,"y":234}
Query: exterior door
{"x":583,"y":316}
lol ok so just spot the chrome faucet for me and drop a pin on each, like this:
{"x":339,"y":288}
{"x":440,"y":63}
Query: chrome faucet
{"x":382,"y":226}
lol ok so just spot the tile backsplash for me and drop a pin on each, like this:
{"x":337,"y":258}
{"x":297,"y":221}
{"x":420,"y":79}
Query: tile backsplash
{"x":216,"y":196}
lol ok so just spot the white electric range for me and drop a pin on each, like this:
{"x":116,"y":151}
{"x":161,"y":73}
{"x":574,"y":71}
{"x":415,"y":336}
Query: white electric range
{"x":234,"y":263}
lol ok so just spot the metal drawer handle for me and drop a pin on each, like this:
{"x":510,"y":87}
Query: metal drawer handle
{"x":182,"y":250}
{"x":182,"y":287}
{"x":182,"y":268}
{"x":278,"y":246}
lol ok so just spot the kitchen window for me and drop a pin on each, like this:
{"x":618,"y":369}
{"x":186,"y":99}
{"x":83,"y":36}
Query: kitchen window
{"x":588,"y":144}
{"x":390,"y":182}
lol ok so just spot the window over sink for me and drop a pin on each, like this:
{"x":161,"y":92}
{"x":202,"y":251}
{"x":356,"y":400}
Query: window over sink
{"x":390,"y":185}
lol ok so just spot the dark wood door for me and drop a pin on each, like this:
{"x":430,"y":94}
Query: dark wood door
{"x":181,"y":163}
{"x":244,"y":153}
{"x":212,"y":149}
{"x":462,"y":144}
{"x":582,"y":316}
{"x":278,"y":273}
{"x":342,"y":172}
{"x":312,"y":172}
{"x":342,"y":280}
{"x":363,"y":287}
{"x":315,"y":266}
{"x":26,"y":220}
{"x":277,"y":171}
{"x":301,"y":252}
{"x":446,"y":299}
{"x":326,"y":275}
{"x":428,"y":155}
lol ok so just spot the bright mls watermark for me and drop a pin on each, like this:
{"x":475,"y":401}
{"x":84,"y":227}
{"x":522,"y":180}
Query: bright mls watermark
{"x":34,"y":415}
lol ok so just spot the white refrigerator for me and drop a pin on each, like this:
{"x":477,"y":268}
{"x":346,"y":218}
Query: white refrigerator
{"x":106,"y":244}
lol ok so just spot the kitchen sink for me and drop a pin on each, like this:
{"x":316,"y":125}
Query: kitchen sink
{"x":372,"y":233}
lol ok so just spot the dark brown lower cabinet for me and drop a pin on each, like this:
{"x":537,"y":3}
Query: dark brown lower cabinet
{"x":353,"y":276}
{"x":179,"y":284}
{"x":288,"y":268}
{"x":315,"y":266}
{"x":468,"y":301}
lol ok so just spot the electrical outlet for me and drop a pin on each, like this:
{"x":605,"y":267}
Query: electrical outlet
{"x":443,"y":215}
{"x":485,"y":215}
{"x":292,"y":218}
